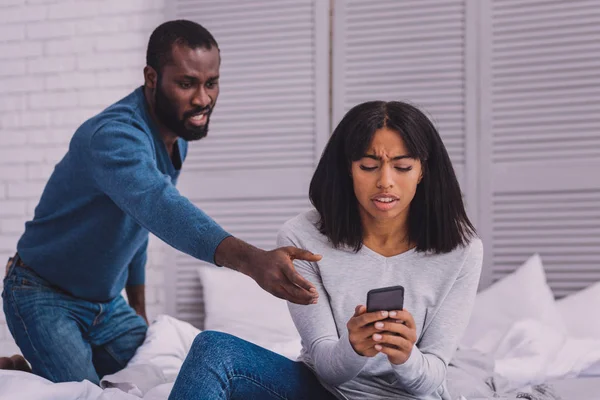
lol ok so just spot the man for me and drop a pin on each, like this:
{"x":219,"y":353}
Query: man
{"x":88,"y":238}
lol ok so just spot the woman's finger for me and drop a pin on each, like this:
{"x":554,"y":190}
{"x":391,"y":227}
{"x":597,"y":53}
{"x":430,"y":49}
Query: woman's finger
{"x":369,"y":318}
{"x":392,"y":340}
{"x":394,"y":327}
{"x":394,"y":355}
{"x":405,"y":316}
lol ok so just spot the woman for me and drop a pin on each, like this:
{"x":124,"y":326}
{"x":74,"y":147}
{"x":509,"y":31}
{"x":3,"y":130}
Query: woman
{"x":388,"y":211}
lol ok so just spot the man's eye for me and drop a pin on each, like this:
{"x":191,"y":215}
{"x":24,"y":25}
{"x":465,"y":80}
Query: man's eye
{"x":185,"y":85}
{"x":211,"y":85}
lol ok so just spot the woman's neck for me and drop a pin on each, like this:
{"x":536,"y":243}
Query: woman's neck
{"x":388,"y":238}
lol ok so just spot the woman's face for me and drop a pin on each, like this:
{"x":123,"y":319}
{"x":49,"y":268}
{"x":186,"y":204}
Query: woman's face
{"x":385,"y":179}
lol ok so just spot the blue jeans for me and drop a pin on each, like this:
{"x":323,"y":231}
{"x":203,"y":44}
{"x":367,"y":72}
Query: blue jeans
{"x":221,"y":366}
{"x":65,"y":338}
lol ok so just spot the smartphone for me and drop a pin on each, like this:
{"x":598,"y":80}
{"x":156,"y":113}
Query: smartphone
{"x":385,"y":299}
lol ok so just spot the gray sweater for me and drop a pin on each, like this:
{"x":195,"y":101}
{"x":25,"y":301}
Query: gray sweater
{"x":439,"y":293}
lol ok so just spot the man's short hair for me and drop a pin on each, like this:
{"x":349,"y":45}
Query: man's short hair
{"x":178,"y":32}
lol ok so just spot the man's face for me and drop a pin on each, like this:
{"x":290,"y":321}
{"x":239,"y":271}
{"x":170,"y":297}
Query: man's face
{"x":187,"y":90}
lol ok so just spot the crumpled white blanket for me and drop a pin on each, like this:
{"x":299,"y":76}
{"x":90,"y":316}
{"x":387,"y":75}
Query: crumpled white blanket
{"x":26,"y":386}
{"x":157,"y":362}
{"x":149,"y":375}
{"x":530,"y":352}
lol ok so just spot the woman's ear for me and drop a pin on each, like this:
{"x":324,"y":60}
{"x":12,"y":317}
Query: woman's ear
{"x":423,"y":164}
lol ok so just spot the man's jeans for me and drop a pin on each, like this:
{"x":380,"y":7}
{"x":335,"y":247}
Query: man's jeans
{"x":223,"y":367}
{"x":65,"y":338}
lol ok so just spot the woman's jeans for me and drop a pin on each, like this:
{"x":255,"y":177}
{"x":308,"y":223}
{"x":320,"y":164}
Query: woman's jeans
{"x":221,"y":366}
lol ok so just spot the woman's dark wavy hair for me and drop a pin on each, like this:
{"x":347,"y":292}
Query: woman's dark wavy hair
{"x":437,"y":220}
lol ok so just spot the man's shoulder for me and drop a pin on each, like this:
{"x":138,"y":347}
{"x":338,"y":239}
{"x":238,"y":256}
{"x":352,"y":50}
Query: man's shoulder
{"x":120,"y":118}
{"x":107,"y":132}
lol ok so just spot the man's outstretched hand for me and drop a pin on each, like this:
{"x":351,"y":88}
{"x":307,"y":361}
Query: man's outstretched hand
{"x":273,"y":270}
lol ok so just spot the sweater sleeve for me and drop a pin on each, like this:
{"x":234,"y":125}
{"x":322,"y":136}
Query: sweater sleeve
{"x":122,"y":164}
{"x":425,"y":369}
{"x":335,"y":361}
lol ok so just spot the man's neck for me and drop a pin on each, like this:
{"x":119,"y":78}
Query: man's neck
{"x":168,"y":137}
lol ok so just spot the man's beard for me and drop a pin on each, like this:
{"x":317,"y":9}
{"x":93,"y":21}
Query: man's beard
{"x":167,"y":115}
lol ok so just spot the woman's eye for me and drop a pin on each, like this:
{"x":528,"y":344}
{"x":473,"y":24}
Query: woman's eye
{"x":403,"y":169}
{"x":365,"y":168}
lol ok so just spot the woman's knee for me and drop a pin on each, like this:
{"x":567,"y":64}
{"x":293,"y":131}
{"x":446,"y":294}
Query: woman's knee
{"x":213,"y":343}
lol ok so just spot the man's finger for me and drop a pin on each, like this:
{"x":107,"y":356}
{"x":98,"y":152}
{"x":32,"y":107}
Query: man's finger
{"x":277,"y":292}
{"x":300,"y":254}
{"x":296,"y":294}
{"x":299,"y":280}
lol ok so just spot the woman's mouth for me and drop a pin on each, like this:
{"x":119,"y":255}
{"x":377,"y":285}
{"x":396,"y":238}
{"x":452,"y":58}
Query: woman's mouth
{"x":385,"y":202}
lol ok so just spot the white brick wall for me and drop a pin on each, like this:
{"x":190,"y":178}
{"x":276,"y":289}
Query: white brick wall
{"x":60,"y":63}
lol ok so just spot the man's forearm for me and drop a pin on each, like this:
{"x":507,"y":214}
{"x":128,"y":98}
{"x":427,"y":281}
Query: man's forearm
{"x":136,"y":295}
{"x":235,"y":254}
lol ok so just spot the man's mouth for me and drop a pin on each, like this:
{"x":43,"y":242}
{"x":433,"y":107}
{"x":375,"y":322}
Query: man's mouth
{"x":199,"y":119}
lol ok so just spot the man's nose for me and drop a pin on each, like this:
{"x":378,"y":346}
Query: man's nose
{"x":201,"y":98}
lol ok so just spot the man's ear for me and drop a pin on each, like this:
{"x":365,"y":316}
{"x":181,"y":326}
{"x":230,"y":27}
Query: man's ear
{"x":150,"y":77}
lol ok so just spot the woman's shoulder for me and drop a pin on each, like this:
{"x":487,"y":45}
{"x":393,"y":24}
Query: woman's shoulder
{"x":303,"y":228}
{"x":305,"y":223}
{"x":471,"y":254}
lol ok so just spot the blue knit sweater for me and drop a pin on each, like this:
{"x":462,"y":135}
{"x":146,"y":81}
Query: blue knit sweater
{"x":89,"y":234}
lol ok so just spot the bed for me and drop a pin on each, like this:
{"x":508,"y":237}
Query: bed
{"x":520,"y":343}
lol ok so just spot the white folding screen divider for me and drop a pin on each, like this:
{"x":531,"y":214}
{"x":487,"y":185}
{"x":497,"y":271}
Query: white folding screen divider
{"x":268,"y":129}
{"x":540,"y":139}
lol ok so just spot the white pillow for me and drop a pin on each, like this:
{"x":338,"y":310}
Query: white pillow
{"x":578,"y":310}
{"x":524,"y":294}
{"x":234,"y":303}
{"x":158,"y":360}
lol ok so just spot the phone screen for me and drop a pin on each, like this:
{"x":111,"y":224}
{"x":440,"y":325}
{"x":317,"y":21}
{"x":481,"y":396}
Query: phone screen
{"x":385,"y":299}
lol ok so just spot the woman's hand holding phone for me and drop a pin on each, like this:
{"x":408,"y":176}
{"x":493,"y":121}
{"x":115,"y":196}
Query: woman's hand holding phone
{"x":361,"y":329}
{"x":396,"y":336}
{"x":389,"y":332}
